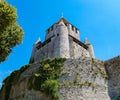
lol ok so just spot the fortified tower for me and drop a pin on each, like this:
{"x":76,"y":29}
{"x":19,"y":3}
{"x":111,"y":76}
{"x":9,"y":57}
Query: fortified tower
{"x":62,"y":40}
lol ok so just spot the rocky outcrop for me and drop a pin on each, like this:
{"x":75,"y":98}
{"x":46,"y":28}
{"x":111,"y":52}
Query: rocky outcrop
{"x":80,"y":79}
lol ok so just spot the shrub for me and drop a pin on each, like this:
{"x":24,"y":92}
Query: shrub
{"x":50,"y":86}
{"x":46,"y":78}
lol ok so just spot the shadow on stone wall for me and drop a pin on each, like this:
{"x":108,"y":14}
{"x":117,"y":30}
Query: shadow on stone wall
{"x":113,"y":69}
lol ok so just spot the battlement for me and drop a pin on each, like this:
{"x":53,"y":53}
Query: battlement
{"x":71,"y":28}
{"x":40,"y":45}
{"x":62,"y":40}
{"x":79,"y":42}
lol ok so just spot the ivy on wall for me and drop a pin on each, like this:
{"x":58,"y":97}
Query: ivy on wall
{"x":46,"y":78}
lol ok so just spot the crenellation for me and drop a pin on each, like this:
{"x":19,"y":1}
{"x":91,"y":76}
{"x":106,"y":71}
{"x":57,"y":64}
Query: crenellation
{"x":49,"y":34}
{"x":62,"y":40}
{"x":73,"y":31}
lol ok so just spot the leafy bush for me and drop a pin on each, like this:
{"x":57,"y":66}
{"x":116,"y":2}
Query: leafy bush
{"x":50,"y":86}
{"x":46,"y":79}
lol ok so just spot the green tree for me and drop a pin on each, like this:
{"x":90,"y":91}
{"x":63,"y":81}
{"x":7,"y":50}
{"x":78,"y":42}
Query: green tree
{"x":11,"y":33}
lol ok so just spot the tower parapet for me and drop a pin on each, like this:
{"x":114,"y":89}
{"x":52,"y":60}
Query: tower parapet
{"x":62,"y":40}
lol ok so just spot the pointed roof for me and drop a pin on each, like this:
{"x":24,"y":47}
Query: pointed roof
{"x":38,"y":41}
{"x":63,"y":20}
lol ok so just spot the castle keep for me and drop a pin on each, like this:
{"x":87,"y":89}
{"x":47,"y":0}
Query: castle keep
{"x":81,"y":78}
{"x":62,"y":40}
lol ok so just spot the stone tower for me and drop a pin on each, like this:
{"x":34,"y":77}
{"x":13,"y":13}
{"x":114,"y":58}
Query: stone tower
{"x":62,"y":40}
{"x":90,"y":48}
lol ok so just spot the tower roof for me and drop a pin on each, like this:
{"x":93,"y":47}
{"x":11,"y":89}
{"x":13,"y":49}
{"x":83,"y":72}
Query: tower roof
{"x":63,"y":20}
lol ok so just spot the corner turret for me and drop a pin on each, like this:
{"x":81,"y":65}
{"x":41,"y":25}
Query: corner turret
{"x":35,"y":45}
{"x":90,"y":48}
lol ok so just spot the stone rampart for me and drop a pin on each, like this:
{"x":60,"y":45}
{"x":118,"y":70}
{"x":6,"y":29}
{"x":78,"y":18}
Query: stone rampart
{"x":113,"y":70}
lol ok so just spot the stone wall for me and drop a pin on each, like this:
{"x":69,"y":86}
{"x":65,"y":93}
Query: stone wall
{"x":20,"y":91}
{"x":64,"y":40}
{"x":49,"y":50}
{"x":42,"y":53}
{"x":61,"y":46}
{"x":73,"y":31}
{"x":81,"y":79}
{"x":113,"y":70}
{"x":84,"y":78}
{"x":76,"y":51}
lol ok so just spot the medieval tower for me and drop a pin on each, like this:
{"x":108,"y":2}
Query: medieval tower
{"x":62,"y":40}
{"x":79,"y":77}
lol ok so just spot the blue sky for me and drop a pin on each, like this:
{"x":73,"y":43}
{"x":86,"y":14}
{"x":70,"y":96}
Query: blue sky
{"x":98,"y":20}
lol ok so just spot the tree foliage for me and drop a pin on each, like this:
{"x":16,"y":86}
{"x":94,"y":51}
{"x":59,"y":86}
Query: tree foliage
{"x":11,"y":33}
